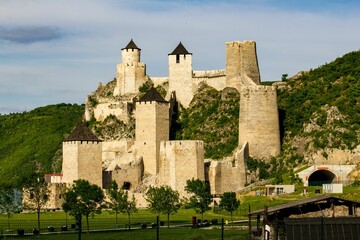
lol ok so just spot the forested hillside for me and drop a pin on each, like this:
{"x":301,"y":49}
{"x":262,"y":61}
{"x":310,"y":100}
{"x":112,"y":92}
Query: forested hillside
{"x":32,"y":140}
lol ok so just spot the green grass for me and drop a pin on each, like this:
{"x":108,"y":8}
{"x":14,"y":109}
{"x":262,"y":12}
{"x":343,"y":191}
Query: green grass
{"x":150,"y":234}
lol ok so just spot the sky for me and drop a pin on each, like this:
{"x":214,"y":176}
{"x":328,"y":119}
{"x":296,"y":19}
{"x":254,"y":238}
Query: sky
{"x":54,"y":51}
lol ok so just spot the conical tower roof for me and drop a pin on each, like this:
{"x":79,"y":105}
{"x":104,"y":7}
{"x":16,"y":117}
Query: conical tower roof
{"x":180,"y":49}
{"x":131,"y":45}
{"x":152,"y":95}
{"x":82,"y":133}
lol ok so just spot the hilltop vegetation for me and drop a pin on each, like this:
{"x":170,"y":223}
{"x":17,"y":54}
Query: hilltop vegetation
{"x":323,"y":106}
{"x":213,"y":116}
{"x":33,"y":140}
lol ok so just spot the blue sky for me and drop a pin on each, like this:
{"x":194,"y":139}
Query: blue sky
{"x":57,"y":51}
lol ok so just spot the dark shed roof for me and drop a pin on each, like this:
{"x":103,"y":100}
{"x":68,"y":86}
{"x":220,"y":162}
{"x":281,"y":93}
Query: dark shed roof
{"x":82,"y":133}
{"x":305,"y":202}
{"x":131,"y":45}
{"x":180,"y":49}
{"x":152,"y":95}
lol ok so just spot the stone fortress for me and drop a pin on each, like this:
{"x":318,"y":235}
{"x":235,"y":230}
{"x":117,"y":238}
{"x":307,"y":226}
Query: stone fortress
{"x":151,"y":158}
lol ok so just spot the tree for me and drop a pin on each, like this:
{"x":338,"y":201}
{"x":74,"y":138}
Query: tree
{"x":128,"y":206}
{"x":37,"y":193}
{"x":116,"y":199}
{"x":201,"y":198}
{"x":83,"y":199}
{"x":8,"y":203}
{"x":229,"y":202}
{"x":163,"y":200}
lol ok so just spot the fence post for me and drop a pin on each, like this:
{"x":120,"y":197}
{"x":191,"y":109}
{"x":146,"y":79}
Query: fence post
{"x":222,"y":229}
{"x":157,"y":227}
{"x":78,"y":221}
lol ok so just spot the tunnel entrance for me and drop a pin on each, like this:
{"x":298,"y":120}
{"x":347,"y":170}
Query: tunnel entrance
{"x":321,"y":177}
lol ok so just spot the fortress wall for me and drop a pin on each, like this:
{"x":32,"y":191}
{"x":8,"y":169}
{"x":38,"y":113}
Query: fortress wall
{"x":229,"y":174}
{"x":249,"y":62}
{"x":213,"y":78}
{"x":179,"y":162}
{"x":180,"y":79}
{"x":259,"y":121}
{"x":129,"y":77}
{"x":114,"y":149}
{"x":118,"y":109}
{"x":131,"y":173}
{"x":152,"y":127}
{"x":82,"y":160}
{"x":90,"y":162}
{"x":232,"y":61}
{"x":159,"y":80}
{"x":70,"y":164}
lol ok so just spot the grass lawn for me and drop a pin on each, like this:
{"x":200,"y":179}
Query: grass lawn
{"x":150,"y":234}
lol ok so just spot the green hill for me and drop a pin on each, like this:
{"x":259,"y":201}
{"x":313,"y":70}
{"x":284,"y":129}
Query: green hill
{"x":32,"y":140}
{"x":321,"y":106}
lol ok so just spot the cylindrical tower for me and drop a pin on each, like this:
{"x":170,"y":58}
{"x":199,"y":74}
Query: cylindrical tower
{"x":259,"y":121}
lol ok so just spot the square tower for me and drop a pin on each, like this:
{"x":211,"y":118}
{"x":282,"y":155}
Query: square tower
{"x":152,"y":127}
{"x":82,"y":156}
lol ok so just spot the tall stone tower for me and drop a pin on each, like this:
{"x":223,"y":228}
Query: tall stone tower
{"x":152,"y":127}
{"x":180,"y":75}
{"x":131,"y":73}
{"x":259,"y":121}
{"x":241,"y":63}
{"x":82,"y":156}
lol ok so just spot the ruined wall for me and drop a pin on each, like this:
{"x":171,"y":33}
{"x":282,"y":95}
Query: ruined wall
{"x":82,"y":160}
{"x":116,"y":108}
{"x":115,"y":149}
{"x":241,"y":59}
{"x":259,"y":121}
{"x":152,"y":127}
{"x":130,"y":76}
{"x":180,"y":79}
{"x":179,"y":162}
{"x":229,"y":174}
{"x":131,"y":172}
{"x":213,"y":78}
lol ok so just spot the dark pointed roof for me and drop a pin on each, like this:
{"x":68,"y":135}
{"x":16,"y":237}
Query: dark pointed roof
{"x":82,"y":133}
{"x":131,"y":45}
{"x":152,"y":95}
{"x":180,"y":49}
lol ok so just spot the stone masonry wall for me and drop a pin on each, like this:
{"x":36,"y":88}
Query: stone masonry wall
{"x":259,"y":121}
{"x":179,"y":162}
{"x":131,"y":172}
{"x":152,"y":127}
{"x":228,"y":174}
{"x":82,"y":160}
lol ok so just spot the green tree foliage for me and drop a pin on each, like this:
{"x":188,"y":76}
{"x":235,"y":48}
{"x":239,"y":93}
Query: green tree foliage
{"x":163,"y":200}
{"x":119,"y":201}
{"x":36,"y":193}
{"x":129,"y":206}
{"x":229,"y":202}
{"x":201,"y":197}
{"x":9,"y":204}
{"x":83,"y":199}
{"x":334,"y":84}
{"x":37,"y":134}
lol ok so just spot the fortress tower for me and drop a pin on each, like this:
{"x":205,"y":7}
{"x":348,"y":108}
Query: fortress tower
{"x":259,"y":121}
{"x":152,"y":127}
{"x":82,"y":156}
{"x":180,"y":75}
{"x":131,"y":73}
{"x":241,"y":63}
